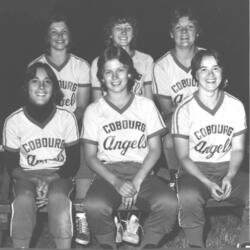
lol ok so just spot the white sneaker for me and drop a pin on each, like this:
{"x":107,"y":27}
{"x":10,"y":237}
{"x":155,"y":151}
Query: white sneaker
{"x":82,"y":230}
{"x":119,"y":230}
{"x":131,"y":234}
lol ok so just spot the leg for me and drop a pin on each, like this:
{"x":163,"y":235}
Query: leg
{"x":192,"y":195}
{"x":23,"y":219}
{"x":60,"y":212}
{"x":161,"y":202}
{"x":101,"y":200}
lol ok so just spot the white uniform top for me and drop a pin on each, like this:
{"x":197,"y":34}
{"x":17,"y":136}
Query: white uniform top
{"x":41,"y":146}
{"x":172,"y":79}
{"x":74,"y":73}
{"x":209,"y":132}
{"x":121,"y":134}
{"x":143,"y":63}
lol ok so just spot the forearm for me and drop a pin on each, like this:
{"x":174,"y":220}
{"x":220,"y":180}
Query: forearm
{"x":79,"y":113}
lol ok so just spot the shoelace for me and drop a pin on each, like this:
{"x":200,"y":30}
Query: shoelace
{"x":133,"y":226}
{"x":83,"y":225}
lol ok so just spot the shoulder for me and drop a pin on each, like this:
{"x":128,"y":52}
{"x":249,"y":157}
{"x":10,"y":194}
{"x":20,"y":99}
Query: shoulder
{"x":15,"y":117}
{"x":233,"y":101}
{"x":164,"y":60}
{"x":64,"y":114}
{"x":79,"y":61}
{"x":40,"y":58}
{"x":185,"y":105}
{"x":143,"y":56}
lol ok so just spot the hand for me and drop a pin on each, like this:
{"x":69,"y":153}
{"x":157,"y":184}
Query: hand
{"x":226,"y":187}
{"x":40,"y":202}
{"x":127,"y":202}
{"x":216,"y":191}
{"x":42,"y":189}
{"x":125,"y":188}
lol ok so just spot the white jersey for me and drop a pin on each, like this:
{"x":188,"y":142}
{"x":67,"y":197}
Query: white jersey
{"x":121,"y":134}
{"x":73,"y":74}
{"x":143,"y":63}
{"x":210,"y":132}
{"x":172,"y":79}
{"x":41,"y":146}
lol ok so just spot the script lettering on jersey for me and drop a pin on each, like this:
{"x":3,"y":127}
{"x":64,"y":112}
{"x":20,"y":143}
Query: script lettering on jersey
{"x":184,"y":83}
{"x":67,"y":85}
{"x":138,"y":85}
{"x":112,"y":143}
{"x":43,"y":143}
{"x":203,"y":147}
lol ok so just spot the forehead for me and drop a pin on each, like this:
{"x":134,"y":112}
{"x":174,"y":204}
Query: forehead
{"x":113,"y":64}
{"x":208,"y":60}
{"x":126,"y":24}
{"x":184,"y":20}
{"x":58,"y":25}
{"x":41,"y":71}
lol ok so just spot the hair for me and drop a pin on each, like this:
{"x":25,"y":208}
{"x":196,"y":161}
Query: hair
{"x":198,"y":57}
{"x":30,"y":73}
{"x":116,"y":20}
{"x":185,"y":11}
{"x":56,"y":17}
{"x":113,"y":52}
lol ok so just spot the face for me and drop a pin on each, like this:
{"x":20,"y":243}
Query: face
{"x":40,"y":88}
{"x":184,"y":33}
{"x":59,"y":36}
{"x":209,"y":75}
{"x":115,"y":76}
{"x":122,"y":34}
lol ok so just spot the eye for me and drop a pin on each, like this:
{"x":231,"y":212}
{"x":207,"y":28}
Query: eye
{"x":47,"y":81}
{"x":217,"y":68}
{"x":34,"y":80}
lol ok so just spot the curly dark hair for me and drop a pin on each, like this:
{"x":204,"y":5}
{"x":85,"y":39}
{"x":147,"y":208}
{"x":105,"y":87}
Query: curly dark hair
{"x":113,"y":52}
{"x":30,"y":73}
{"x":115,"y":20}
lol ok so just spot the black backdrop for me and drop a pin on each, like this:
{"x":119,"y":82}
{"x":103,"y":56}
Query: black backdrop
{"x":22,"y":27}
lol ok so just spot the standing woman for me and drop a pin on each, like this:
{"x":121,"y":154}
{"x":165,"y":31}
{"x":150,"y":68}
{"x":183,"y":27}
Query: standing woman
{"x":121,"y":133}
{"x":122,"y":31}
{"x":209,"y":131}
{"x":41,"y":152}
{"x":173,"y":81}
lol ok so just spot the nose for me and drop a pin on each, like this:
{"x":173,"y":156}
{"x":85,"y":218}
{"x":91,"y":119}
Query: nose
{"x":41,"y":85}
{"x":211,"y":72}
{"x":114,"y":76}
{"x":184,"y":29}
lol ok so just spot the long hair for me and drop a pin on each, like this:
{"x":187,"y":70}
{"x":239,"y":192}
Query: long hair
{"x":30,"y":73}
{"x":113,"y":52}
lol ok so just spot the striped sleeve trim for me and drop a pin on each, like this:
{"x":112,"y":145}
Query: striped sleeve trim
{"x":180,"y":136}
{"x":147,"y":83}
{"x":84,"y":84}
{"x":89,"y":141}
{"x":159,"y":132}
{"x":240,"y":132}
{"x":164,"y":96}
{"x":96,"y":88}
{"x":68,"y":144}
{"x":14,"y":150}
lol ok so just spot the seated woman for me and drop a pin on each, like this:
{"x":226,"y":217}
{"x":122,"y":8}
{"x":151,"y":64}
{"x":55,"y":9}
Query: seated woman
{"x":121,"y":132}
{"x":209,"y":129}
{"x":41,"y":152}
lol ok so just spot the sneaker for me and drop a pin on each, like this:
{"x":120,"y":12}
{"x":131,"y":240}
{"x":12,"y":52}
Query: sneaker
{"x":119,"y":230}
{"x":130,"y":234}
{"x":244,"y":245}
{"x":82,"y":231}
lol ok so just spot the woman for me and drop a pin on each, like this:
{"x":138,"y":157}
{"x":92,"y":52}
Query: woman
{"x":41,"y":151}
{"x":173,"y":81}
{"x":209,"y":129}
{"x":122,"y":31}
{"x":122,"y":145}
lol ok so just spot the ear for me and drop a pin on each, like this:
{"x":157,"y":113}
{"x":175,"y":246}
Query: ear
{"x":129,"y":75}
{"x":171,"y":35}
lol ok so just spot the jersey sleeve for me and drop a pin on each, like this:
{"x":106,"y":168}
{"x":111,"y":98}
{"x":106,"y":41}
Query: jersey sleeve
{"x":180,"y":123}
{"x":149,"y":71}
{"x":84,"y":74}
{"x":160,"y":84}
{"x":11,"y":139}
{"x":89,"y":131}
{"x":71,"y":130}
{"x":93,"y":77}
{"x":240,"y":120}
{"x":155,"y":125}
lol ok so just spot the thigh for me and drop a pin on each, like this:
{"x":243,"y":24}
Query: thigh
{"x":24,"y":187}
{"x":61,"y":186}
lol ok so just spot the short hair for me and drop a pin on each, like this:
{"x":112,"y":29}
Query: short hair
{"x":184,"y":11}
{"x":113,"y":52}
{"x":30,"y":73}
{"x":196,"y":63}
{"x":54,"y":18}
{"x":116,"y":20}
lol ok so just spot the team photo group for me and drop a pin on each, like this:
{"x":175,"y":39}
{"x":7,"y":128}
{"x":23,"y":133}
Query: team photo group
{"x":102,"y":132}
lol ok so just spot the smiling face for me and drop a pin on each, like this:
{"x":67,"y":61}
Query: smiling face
{"x":58,"y":36}
{"x":115,"y":76}
{"x":184,"y":32}
{"x":122,"y":34}
{"x":209,"y":75}
{"x":40,"y":88}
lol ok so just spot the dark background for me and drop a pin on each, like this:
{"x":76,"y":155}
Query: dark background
{"x":225,"y":26}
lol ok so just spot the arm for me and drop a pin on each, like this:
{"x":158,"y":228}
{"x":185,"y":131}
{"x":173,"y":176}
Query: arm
{"x":182,"y":152}
{"x":96,"y":93}
{"x":148,"y":90}
{"x":83,"y":97}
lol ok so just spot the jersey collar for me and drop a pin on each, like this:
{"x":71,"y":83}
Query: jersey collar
{"x":122,"y":110}
{"x":39,"y":124}
{"x":215,"y":109}
{"x":56,"y":67}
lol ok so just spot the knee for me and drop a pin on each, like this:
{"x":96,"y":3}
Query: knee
{"x":25,"y":199}
{"x":58,"y":200}
{"x":190,"y":198}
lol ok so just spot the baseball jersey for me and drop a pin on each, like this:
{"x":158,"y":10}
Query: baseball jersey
{"x":73,"y":74}
{"x":210,"y":132}
{"x":40,"y":146}
{"x":143,"y":63}
{"x":121,"y":134}
{"x":172,"y":79}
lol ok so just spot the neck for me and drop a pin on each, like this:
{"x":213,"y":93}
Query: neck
{"x":58,"y":57}
{"x":210,"y":99}
{"x":119,"y":100}
{"x":185,"y":55}
{"x":128,"y":50}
